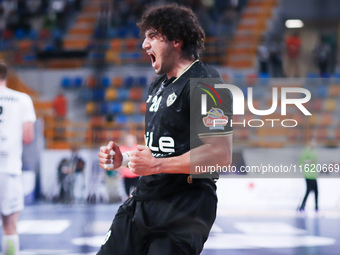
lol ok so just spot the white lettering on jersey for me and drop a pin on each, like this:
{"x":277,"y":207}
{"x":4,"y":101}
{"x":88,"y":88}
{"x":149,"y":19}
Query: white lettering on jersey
{"x":155,"y":104}
{"x":166,"y":143}
{"x":149,"y":98}
{"x":149,"y":141}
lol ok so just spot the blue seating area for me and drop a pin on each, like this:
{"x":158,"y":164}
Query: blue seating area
{"x":120,"y":97}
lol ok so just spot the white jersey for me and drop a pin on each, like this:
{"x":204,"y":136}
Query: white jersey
{"x":16,"y":108}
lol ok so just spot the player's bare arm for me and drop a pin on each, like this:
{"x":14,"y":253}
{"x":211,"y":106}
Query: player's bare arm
{"x":28,"y":132}
{"x":215,"y":150}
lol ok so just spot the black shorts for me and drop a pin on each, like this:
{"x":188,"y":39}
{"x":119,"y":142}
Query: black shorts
{"x":178,"y":224}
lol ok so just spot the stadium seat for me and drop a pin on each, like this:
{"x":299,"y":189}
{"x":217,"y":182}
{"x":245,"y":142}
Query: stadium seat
{"x":326,"y":119}
{"x":105,"y":82}
{"x":116,"y":45}
{"x":313,"y":120}
{"x":44,"y":34}
{"x":121,"y":119}
{"x":330,"y":105}
{"x":334,"y":90}
{"x":128,"y":107}
{"x":135,"y":32}
{"x":123,"y":94}
{"x":111,"y":94}
{"x":104,"y":108}
{"x":97,"y":56}
{"x":29,"y":58}
{"x":135,"y":56}
{"x":25,"y":45}
{"x":122,"y":32}
{"x":98,"y":95}
{"x":136,"y":93}
{"x":90,"y":108}
{"x":131,"y":44}
{"x":65,"y":82}
{"x":142,"y":81}
{"x":317,"y":104}
{"x":7,"y":34}
{"x":91,"y":81}
{"x":322,"y":91}
{"x":33,"y":34}
{"x":78,"y":82}
{"x":129,"y":81}
{"x":113,"y":57}
{"x":142,"y":107}
{"x":117,"y":82}
{"x":137,"y":118}
{"x":86,"y":94}
{"x":115,"y":107}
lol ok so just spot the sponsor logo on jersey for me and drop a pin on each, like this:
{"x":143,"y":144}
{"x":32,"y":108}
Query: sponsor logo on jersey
{"x":166,"y":144}
{"x":215,"y":119}
{"x":171,"y":99}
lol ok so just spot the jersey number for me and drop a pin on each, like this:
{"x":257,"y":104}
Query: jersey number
{"x":0,"y":110}
{"x":155,"y":104}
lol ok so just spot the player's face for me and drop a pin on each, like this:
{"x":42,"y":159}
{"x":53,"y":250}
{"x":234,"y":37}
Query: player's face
{"x":160,"y":50}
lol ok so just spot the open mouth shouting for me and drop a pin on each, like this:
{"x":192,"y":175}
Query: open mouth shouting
{"x":153,"y":59}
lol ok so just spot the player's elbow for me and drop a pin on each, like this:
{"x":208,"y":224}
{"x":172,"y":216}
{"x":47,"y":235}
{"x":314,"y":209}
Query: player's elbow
{"x":27,"y":139}
{"x":222,"y":157}
{"x":28,"y":132}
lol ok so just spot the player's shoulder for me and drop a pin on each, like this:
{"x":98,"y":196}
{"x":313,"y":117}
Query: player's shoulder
{"x":158,"y":79}
{"x":202,"y":70}
{"x":157,"y":82}
{"x":16,"y":93}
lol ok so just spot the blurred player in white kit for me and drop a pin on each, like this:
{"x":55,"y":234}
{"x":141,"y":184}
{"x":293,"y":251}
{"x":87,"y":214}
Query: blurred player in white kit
{"x":17,"y":117}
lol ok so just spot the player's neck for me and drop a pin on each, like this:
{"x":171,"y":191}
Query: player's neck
{"x":180,"y":66}
{"x":2,"y":84}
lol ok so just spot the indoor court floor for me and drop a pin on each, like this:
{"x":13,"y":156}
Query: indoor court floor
{"x":74,"y":229}
{"x":80,"y":229}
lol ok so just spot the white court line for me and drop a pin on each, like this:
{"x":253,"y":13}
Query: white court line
{"x":45,"y":227}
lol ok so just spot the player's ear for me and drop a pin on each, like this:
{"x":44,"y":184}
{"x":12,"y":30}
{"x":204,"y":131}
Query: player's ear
{"x":177,"y":43}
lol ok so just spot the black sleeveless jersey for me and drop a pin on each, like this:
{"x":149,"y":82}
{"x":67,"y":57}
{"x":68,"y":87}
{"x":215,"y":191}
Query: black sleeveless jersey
{"x":168,"y":132}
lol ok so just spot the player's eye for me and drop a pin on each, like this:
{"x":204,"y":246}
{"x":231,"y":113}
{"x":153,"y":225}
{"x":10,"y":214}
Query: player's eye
{"x":151,"y":34}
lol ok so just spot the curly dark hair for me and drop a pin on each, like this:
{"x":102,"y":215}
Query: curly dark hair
{"x":176,"y":23}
